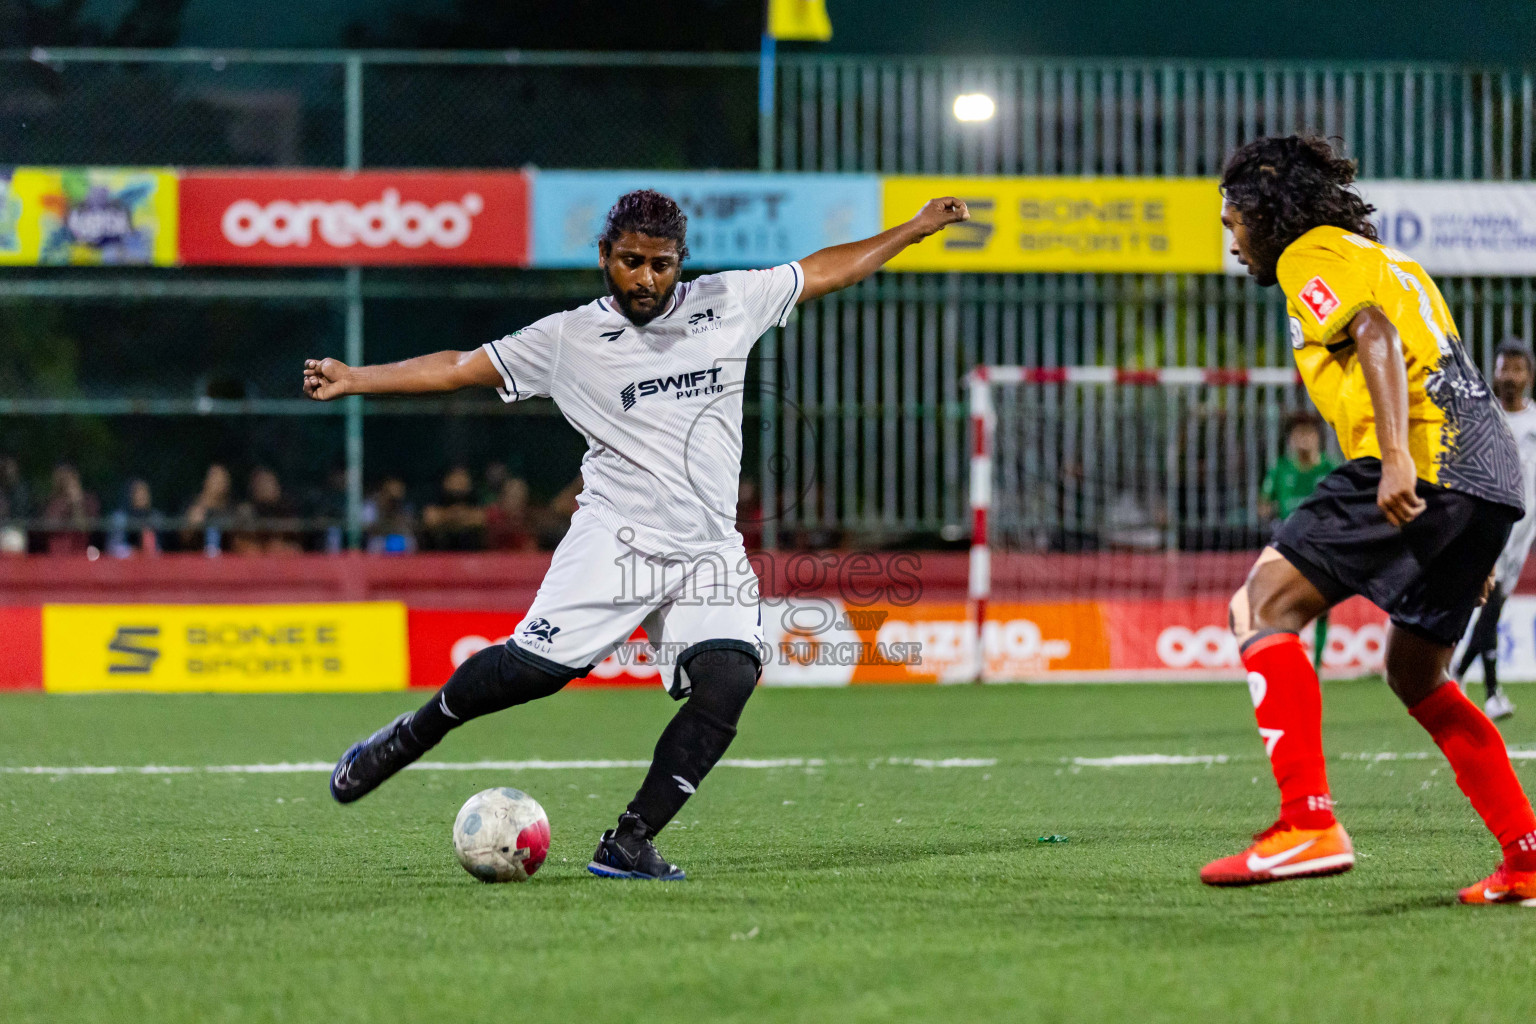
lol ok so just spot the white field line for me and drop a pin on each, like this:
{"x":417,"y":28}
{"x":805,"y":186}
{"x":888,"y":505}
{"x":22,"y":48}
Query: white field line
{"x":303,"y":767}
{"x":1143,"y":760}
{"x":1149,"y":760}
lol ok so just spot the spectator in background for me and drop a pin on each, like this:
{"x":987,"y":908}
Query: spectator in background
{"x":69,"y":514}
{"x":454,"y":522}
{"x":259,"y":521}
{"x":1290,"y":481}
{"x":208,"y":515}
{"x":136,"y":524}
{"x":389,"y":520}
{"x":491,"y":483}
{"x":556,"y":518}
{"x":330,"y":504}
{"x":15,"y":504}
{"x":509,"y":523}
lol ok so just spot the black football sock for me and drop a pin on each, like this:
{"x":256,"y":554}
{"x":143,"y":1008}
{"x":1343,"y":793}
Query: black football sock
{"x":490,"y":680}
{"x":1490,"y":675}
{"x":698,"y":735}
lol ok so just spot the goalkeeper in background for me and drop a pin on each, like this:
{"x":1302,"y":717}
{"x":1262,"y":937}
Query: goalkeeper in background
{"x":1290,"y":481}
{"x":1513,"y":367}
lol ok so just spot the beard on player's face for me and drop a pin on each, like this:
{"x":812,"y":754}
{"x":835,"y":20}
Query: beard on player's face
{"x":640,"y":305}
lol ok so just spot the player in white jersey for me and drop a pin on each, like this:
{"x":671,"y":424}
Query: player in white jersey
{"x":652,"y":374}
{"x":1513,"y":368}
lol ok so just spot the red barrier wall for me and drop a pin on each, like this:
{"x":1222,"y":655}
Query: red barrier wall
{"x":510,"y":580}
{"x":21,"y":648}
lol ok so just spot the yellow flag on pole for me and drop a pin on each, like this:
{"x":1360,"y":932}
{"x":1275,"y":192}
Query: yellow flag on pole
{"x":799,"y":19}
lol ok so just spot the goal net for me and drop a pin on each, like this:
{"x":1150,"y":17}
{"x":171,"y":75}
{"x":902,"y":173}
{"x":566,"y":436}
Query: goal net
{"x":1115,"y":512}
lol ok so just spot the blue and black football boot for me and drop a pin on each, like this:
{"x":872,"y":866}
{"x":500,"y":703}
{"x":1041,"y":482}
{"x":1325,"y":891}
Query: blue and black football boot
{"x":367,"y":763}
{"x":627,"y":852}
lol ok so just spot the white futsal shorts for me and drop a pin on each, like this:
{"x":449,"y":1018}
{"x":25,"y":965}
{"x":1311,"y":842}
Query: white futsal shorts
{"x":599,"y":589}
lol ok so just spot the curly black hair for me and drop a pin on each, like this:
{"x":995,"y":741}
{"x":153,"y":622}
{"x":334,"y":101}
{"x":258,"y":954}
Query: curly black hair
{"x":1285,"y":187}
{"x":647,"y":212}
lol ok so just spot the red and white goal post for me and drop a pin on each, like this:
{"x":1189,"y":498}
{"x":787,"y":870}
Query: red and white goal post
{"x":1127,"y":497}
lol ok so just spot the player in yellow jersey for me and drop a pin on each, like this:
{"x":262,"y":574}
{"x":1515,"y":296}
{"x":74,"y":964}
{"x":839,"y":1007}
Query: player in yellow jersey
{"x":1414,"y":520}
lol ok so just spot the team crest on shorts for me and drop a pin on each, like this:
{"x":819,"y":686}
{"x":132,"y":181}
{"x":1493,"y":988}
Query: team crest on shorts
{"x":542,"y":629}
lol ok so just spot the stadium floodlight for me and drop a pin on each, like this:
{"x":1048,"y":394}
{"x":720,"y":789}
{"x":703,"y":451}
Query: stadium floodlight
{"x":974,"y":106}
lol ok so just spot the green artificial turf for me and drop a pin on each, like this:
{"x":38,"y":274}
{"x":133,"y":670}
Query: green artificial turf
{"x":857,"y":890}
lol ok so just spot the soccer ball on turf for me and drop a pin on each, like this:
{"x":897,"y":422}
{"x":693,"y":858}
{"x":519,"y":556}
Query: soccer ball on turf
{"x":501,"y":835}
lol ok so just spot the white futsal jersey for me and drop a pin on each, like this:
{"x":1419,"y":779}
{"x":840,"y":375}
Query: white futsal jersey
{"x":1523,"y":425}
{"x":659,"y":405}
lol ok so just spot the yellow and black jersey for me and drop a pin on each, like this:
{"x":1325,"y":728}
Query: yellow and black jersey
{"x":1455,"y":433}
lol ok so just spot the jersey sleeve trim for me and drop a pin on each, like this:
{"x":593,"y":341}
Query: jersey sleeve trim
{"x":510,"y":392}
{"x":789,"y":303}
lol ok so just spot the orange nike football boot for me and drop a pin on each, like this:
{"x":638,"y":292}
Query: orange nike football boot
{"x":1281,"y":852}
{"x":1503,"y":886}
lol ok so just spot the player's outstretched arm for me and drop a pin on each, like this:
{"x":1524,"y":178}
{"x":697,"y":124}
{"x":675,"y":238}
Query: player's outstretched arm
{"x":1380,"y":351}
{"x":325,"y":379}
{"x":842,"y":265}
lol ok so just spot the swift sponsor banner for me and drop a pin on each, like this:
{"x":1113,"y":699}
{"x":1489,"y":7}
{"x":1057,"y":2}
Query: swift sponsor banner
{"x":1126,"y":225}
{"x":441,"y":639}
{"x":734,"y":219}
{"x":274,"y":218}
{"x":257,"y":648}
{"x":88,"y":216}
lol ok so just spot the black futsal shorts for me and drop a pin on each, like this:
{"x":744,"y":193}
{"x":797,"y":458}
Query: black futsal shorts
{"x":1428,"y":576}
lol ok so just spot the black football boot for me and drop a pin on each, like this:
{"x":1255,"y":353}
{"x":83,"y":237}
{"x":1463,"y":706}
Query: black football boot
{"x":367,"y":763}
{"x":627,"y":852}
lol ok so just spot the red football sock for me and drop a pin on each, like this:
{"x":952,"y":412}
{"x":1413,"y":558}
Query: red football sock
{"x":1476,"y":751}
{"x":1288,"y":702}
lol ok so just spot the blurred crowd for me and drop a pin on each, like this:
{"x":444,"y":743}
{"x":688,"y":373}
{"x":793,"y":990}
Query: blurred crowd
{"x":260,"y":515}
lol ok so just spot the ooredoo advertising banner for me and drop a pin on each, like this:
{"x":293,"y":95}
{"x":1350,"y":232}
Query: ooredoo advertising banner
{"x":402,"y":218}
{"x":740,"y":219}
{"x":256,"y":648}
{"x":88,"y":216}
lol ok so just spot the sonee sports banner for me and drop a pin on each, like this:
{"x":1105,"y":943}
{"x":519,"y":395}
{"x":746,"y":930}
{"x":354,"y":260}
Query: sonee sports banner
{"x":257,"y":648}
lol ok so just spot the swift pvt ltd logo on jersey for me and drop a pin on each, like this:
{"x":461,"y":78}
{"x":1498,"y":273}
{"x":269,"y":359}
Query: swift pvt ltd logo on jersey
{"x":684,"y":385}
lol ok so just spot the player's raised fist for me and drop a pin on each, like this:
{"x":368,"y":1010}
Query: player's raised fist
{"x":937,"y":214}
{"x":325,"y":379}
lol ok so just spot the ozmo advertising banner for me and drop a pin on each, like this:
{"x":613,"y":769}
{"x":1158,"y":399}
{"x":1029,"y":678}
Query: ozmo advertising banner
{"x":1452,"y":227}
{"x":399,"y":218}
{"x":88,"y":216}
{"x":741,"y":219}
{"x":254,"y":648}
{"x":1059,"y":225}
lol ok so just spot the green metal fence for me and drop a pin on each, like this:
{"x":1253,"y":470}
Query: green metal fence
{"x":860,"y":418}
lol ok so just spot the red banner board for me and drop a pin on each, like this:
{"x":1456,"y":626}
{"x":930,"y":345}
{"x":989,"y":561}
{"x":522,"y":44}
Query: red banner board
{"x":441,"y":639}
{"x":333,"y":218}
{"x":21,"y":648}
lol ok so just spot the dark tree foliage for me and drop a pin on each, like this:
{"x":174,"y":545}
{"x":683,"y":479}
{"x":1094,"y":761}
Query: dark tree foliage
{"x":66,"y":23}
{"x":688,"y":25}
